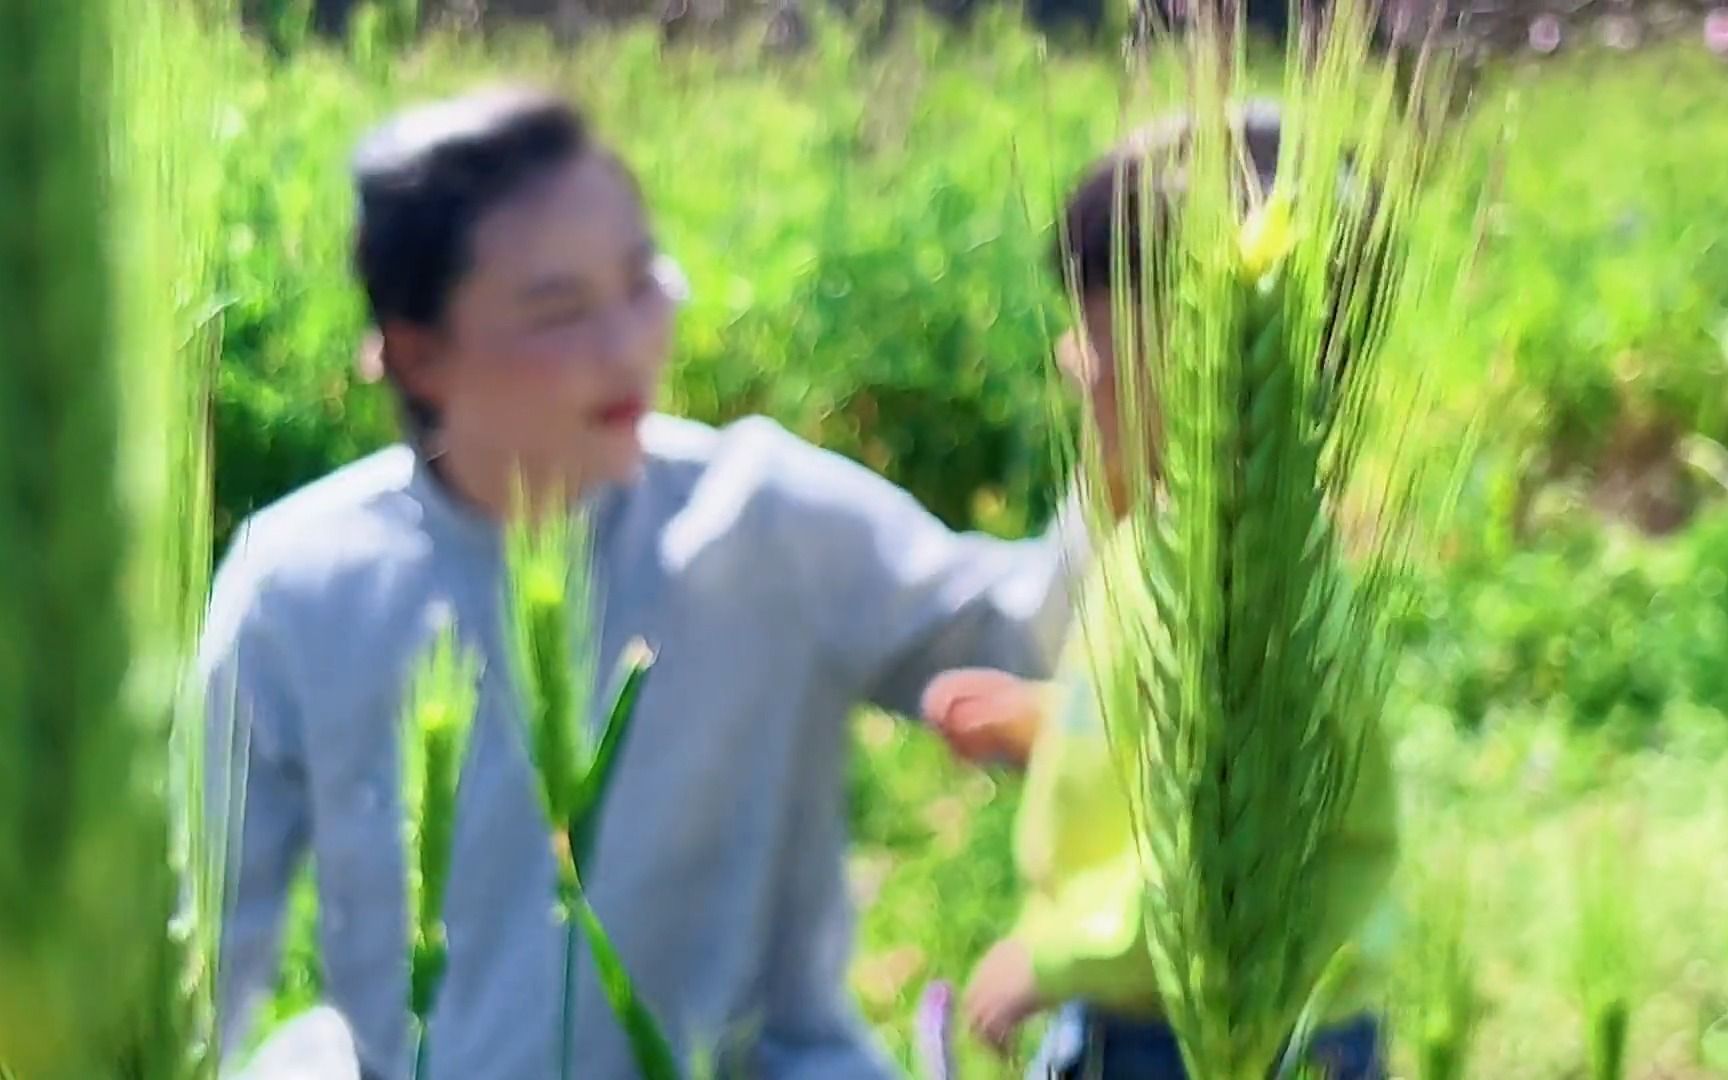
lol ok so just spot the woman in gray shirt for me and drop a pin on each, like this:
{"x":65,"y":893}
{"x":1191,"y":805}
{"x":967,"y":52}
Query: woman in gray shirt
{"x":524,"y":315}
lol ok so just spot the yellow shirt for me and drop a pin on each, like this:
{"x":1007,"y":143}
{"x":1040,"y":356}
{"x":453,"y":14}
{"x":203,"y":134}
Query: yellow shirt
{"x":1083,"y":916}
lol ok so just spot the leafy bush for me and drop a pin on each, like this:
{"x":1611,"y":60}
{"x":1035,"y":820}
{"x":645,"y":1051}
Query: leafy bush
{"x":1606,"y":281}
{"x":1609,"y":628}
{"x":865,"y":234}
{"x":874,"y":293}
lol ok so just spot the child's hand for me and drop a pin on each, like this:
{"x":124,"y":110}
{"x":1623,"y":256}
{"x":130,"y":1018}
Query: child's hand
{"x":1002,"y":995}
{"x":985,"y":715}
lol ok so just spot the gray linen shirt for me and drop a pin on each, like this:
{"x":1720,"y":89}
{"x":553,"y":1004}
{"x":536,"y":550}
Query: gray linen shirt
{"x":780,"y":584}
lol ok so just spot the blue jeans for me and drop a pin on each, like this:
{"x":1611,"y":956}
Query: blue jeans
{"x":1085,"y":1043}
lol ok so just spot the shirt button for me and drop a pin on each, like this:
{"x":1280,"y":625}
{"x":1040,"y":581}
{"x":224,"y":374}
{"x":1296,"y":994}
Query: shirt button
{"x":334,"y":916}
{"x":371,"y":799}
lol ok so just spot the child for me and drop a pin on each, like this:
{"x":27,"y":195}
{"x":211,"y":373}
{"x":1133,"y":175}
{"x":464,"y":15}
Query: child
{"x":1081,"y":937}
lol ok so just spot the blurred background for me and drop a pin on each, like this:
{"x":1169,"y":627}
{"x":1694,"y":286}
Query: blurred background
{"x":861,"y":193}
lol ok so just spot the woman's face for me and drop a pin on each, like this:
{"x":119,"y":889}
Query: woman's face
{"x":552,"y":345}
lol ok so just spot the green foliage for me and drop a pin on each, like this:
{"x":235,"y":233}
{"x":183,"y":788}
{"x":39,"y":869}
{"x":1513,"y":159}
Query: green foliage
{"x":1604,"y":285}
{"x":1614,"y":629}
{"x":866,"y":235}
{"x":590,"y":797}
{"x":378,"y":29}
{"x":1437,"y":1007}
{"x":906,"y":330}
{"x":169,"y":223}
{"x":100,"y":519}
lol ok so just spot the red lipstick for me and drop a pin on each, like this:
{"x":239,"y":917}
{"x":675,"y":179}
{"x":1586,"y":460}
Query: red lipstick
{"x":622,"y":412}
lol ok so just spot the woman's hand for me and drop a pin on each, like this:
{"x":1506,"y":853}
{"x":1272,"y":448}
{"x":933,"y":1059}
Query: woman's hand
{"x":986,"y":716}
{"x":1002,"y":995}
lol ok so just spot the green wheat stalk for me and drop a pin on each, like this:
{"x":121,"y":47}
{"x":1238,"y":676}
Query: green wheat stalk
{"x":1238,"y":659}
{"x":63,"y":555}
{"x":553,"y":620}
{"x":434,"y":743}
{"x":79,"y":820}
{"x":1606,"y":944}
{"x":108,"y":879}
{"x":1439,"y":1002}
{"x":173,"y":339}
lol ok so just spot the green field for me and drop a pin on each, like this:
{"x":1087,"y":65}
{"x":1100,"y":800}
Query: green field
{"x":865,"y":233}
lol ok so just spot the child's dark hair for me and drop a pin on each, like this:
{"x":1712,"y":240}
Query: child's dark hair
{"x":425,"y":179}
{"x":1104,"y":217}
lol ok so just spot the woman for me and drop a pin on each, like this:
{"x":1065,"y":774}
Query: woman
{"x":524,"y":315}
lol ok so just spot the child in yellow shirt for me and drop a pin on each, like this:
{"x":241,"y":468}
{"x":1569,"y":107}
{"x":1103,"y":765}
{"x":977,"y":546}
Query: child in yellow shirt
{"x":1080,"y":942}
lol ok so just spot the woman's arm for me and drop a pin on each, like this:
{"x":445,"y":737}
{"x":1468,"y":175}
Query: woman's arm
{"x":898,"y":597}
{"x":1083,"y":915}
{"x":255,"y":790}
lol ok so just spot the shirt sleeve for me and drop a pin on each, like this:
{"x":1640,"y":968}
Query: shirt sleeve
{"x":255,"y":795}
{"x":1083,"y":914}
{"x":1088,"y":940}
{"x":897,"y":596}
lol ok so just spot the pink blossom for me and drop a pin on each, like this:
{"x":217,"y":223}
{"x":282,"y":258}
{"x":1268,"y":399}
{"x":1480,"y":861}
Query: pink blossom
{"x":1545,"y":34}
{"x":933,"y":1024}
{"x":1716,"y":31}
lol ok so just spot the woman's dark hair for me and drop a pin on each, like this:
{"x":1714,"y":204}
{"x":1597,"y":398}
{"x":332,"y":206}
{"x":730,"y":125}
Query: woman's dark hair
{"x":427,"y":176}
{"x":424,"y":180}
